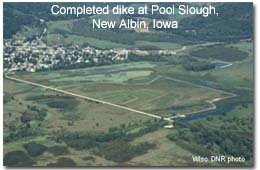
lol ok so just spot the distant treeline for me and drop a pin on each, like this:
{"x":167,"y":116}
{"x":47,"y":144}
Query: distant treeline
{"x":220,"y":53}
{"x":19,"y":14}
{"x":235,"y":21}
{"x":192,"y":64}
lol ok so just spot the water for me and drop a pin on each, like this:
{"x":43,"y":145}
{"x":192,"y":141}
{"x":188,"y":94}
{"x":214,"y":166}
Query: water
{"x":220,"y":64}
{"x":221,"y":108}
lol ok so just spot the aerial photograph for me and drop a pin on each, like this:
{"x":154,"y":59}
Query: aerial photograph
{"x":128,"y":90}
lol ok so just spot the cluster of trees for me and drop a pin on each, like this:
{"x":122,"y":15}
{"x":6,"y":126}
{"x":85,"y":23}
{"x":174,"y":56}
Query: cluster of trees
{"x":54,"y":101}
{"x":63,"y":162}
{"x":8,"y":97}
{"x":192,"y":64}
{"x":220,"y":52}
{"x":21,"y":132}
{"x":152,"y":57}
{"x":24,"y":130}
{"x":226,"y":142}
{"x":34,"y":149}
{"x":17,"y":159}
{"x":58,"y":150}
{"x":79,"y":140}
{"x":33,"y":113}
{"x":148,"y":47}
{"x":64,"y":104}
{"x":121,"y":150}
{"x":113,"y":145}
{"x":199,"y":66}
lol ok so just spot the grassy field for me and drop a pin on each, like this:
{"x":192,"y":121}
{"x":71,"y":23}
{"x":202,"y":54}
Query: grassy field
{"x":87,"y":114}
{"x":157,"y":95}
{"x":166,"y":151}
{"x":110,"y":78}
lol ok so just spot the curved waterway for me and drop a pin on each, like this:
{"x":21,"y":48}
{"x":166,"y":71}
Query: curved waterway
{"x":221,"y":64}
{"x":222,"y":107}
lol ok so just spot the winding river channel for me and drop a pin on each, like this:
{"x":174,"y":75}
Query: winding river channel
{"x":221,"y":108}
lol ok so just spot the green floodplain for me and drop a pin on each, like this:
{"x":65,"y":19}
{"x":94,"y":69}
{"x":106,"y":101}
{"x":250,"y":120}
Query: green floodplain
{"x":43,"y":127}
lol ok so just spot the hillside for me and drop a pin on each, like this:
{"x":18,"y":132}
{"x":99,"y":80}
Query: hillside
{"x":229,"y":25}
